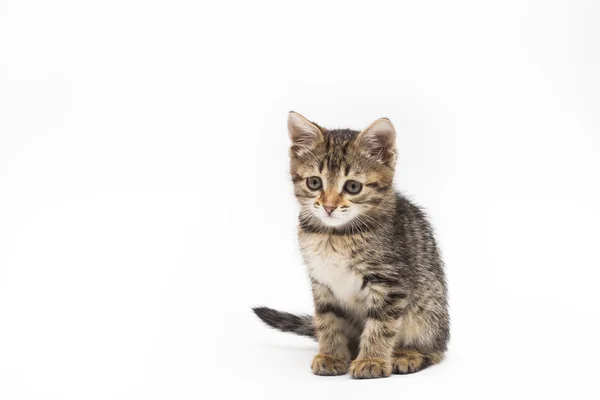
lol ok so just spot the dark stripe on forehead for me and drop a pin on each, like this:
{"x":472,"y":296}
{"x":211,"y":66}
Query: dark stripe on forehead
{"x":334,"y":163}
{"x":337,"y":143}
{"x":335,"y":154}
{"x":345,"y":148}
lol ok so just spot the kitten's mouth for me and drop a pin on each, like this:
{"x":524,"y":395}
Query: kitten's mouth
{"x":333,"y":220}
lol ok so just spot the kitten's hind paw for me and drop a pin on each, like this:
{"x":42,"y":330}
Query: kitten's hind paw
{"x":369,"y":368}
{"x":410,"y":361}
{"x":325,"y":365}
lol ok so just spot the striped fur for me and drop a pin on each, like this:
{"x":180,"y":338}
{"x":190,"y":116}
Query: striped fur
{"x":377,"y":277}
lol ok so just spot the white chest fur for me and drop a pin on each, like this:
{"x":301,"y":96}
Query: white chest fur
{"x":331,"y":269}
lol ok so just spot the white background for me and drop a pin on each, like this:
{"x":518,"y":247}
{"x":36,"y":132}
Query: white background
{"x":145,"y":203}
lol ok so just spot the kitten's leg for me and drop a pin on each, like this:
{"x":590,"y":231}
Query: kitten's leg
{"x":421,"y":343}
{"x":330,"y":326}
{"x":408,"y":361}
{"x":379,"y":336}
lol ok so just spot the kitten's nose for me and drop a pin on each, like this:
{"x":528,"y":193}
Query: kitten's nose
{"x":329,"y":209}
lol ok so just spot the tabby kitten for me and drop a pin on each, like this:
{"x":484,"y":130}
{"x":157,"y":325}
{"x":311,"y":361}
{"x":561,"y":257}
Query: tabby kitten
{"x":377,"y":277}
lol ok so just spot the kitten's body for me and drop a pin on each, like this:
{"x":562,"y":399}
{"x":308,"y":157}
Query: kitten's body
{"x":377,"y":278}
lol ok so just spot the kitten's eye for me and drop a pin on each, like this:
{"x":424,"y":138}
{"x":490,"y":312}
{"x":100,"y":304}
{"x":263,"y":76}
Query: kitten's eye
{"x":353,"y":187}
{"x":314,"y":183}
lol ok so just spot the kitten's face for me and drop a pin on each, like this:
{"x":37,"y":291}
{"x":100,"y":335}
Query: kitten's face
{"x":341,"y":177}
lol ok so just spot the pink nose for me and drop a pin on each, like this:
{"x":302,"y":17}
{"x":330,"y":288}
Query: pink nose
{"x":329,"y":209}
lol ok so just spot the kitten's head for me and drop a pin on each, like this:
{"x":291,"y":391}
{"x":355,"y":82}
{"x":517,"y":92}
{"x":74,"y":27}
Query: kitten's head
{"x":342,"y":178}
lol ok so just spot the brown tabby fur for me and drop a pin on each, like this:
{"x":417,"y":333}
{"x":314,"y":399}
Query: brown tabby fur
{"x":377,"y":277}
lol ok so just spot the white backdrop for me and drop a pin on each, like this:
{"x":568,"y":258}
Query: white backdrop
{"x":145,"y":204}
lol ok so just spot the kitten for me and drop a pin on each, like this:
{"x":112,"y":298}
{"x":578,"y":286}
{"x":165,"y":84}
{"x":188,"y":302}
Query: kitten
{"x":377,"y":278}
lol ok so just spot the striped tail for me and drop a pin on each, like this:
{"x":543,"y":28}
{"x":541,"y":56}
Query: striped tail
{"x":286,"y":322}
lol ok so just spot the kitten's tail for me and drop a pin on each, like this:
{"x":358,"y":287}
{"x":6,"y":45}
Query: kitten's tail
{"x":286,"y":322}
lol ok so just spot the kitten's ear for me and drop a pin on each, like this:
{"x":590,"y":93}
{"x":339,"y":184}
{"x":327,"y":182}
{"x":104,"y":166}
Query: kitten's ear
{"x":303,"y":133}
{"x":379,"y":140}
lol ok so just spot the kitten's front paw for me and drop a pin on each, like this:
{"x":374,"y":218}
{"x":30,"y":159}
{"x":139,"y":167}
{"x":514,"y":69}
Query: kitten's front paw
{"x":325,"y":365}
{"x":368,"y":368}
